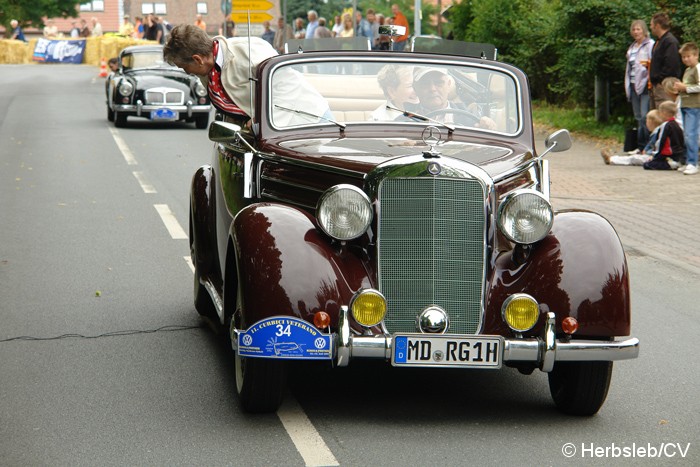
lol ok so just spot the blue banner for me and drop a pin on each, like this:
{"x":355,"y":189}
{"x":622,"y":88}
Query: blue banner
{"x":59,"y":51}
{"x":285,"y":337}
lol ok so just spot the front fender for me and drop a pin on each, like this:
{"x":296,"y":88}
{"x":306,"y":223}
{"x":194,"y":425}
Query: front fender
{"x":578,"y":270}
{"x":287,"y":267}
{"x":202,"y":226}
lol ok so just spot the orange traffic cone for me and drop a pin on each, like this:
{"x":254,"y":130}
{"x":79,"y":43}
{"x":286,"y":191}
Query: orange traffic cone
{"x":103,"y":68}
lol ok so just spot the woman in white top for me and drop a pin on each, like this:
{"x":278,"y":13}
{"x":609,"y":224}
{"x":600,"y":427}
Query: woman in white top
{"x":397,"y":83}
{"x":637,"y":75}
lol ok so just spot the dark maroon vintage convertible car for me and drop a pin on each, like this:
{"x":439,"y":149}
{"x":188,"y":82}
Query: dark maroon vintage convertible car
{"x":391,"y":205}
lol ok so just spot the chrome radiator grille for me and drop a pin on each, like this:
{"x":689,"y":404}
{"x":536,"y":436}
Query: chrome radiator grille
{"x":165,"y":96}
{"x":431,"y":250}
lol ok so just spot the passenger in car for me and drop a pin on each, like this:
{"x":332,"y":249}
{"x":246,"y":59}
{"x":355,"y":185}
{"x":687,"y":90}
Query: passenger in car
{"x":396,"y":82}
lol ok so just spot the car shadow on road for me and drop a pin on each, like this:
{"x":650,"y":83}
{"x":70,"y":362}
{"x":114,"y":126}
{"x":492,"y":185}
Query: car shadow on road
{"x":377,"y":391}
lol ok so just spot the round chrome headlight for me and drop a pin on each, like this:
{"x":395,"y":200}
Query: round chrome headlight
{"x":344,"y":212}
{"x":200,"y":89}
{"x":125,"y":88}
{"x":525,"y":216}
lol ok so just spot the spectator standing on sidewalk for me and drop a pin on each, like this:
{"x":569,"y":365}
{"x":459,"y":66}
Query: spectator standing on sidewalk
{"x":374,"y":27}
{"x":337,"y":26}
{"x":665,"y":61}
{"x":138,"y":28}
{"x":74,"y":30}
{"x":50,"y":30}
{"x":670,"y":147}
{"x":689,"y":90}
{"x":126,"y":29}
{"x":637,"y":77}
{"x":312,"y":16}
{"x":299,"y":31}
{"x":283,"y":34}
{"x":362,"y":27}
{"x":84,"y":29}
{"x":400,"y":20}
{"x":268,"y":34}
{"x":199,"y":22}
{"x":96,"y":27}
{"x":322,"y":32}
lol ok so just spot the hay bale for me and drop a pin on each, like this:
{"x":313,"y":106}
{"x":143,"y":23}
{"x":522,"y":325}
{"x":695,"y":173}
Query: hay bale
{"x":15,"y":52}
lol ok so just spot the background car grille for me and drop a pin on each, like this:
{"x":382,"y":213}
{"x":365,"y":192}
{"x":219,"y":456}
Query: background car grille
{"x":431,"y":250}
{"x":169,"y":96}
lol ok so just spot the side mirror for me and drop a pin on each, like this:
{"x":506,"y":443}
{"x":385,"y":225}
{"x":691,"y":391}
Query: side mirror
{"x":558,"y":141}
{"x":392,"y":30}
{"x":223,"y":132}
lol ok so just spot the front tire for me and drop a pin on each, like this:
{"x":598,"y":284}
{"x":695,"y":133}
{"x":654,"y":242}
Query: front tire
{"x":119,"y":120}
{"x":110,"y":114}
{"x":202,"y":121}
{"x":260,"y":383}
{"x":580,"y":388}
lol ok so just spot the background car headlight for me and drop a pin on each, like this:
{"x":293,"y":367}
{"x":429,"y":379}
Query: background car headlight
{"x":521,"y":312}
{"x":344,"y":212}
{"x":125,"y":88}
{"x":200,"y":90}
{"x":368,"y":307}
{"x":525,"y":216}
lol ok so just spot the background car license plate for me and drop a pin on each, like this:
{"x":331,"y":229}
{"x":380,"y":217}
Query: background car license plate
{"x":164,"y":114}
{"x":447,"y":350}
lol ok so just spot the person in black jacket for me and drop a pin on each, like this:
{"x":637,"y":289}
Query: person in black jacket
{"x":665,"y":61}
{"x":669,"y":150}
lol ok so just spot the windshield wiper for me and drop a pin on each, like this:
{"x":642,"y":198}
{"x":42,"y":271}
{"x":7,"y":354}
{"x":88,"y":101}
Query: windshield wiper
{"x":309,"y":114}
{"x":420,"y":117}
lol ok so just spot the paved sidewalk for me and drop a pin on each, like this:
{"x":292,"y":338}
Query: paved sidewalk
{"x":656,"y":213}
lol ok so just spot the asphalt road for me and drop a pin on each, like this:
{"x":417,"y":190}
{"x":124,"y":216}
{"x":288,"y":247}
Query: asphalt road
{"x":103,"y":360}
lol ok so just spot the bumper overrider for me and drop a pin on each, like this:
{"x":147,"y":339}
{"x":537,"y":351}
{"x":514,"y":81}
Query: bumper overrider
{"x":143,"y":110}
{"x":341,"y":347}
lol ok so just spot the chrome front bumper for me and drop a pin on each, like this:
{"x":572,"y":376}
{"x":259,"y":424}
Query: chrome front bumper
{"x":143,"y":110}
{"x":543,"y":350}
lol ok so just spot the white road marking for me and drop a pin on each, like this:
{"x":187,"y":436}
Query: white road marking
{"x":121,"y":144}
{"x":145,"y":186}
{"x":170,"y":222}
{"x":304,"y":436}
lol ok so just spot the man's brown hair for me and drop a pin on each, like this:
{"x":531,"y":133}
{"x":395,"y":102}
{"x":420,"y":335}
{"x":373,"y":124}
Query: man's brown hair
{"x":184,"y":41}
{"x":662,"y":20}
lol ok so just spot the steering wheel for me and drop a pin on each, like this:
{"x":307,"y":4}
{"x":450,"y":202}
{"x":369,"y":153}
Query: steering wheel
{"x":471,"y":117}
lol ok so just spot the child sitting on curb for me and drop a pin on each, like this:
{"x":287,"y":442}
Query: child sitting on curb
{"x":653,"y":123}
{"x":669,"y":150}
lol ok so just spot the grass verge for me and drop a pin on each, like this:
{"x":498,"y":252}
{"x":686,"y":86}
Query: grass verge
{"x":581,"y":122}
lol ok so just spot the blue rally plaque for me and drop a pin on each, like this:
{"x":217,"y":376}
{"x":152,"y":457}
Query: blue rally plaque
{"x":285,"y":337}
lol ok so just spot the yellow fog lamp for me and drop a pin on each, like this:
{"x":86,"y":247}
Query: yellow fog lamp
{"x":520,"y":312}
{"x":368,"y":307}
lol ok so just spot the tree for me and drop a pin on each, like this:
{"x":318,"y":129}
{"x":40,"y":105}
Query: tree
{"x":32,"y":12}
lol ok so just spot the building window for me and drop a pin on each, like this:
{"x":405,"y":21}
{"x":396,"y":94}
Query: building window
{"x":202,"y":8}
{"x":154,"y":9}
{"x":95,"y":5}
